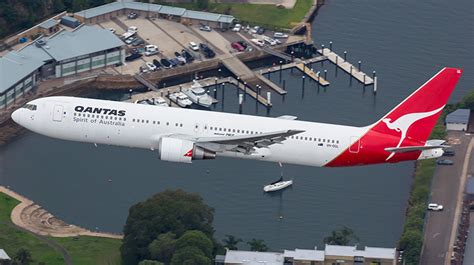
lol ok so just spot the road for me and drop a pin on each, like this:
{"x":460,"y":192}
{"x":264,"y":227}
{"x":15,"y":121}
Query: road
{"x":445,"y":190}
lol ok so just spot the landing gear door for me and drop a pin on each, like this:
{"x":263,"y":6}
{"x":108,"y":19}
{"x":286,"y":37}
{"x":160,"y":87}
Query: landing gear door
{"x":354,"y":148}
{"x":58,"y":113}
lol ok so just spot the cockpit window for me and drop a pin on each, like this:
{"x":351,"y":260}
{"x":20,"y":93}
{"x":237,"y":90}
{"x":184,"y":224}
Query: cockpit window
{"x":29,"y":106}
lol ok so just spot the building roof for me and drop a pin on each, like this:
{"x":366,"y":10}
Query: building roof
{"x":14,"y":67}
{"x":254,"y":258}
{"x":198,"y":15}
{"x":305,"y":254}
{"x":49,"y":23}
{"x":352,"y":251}
{"x":380,"y":253}
{"x":35,"y":52}
{"x":168,"y":10}
{"x":3,"y":255}
{"x":459,"y":116}
{"x":82,"y":41}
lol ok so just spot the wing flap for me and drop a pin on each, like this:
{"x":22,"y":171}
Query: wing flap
{"x":413,"y":148}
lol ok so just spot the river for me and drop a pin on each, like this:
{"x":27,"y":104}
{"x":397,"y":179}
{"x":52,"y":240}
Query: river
{"x":406,"y":42}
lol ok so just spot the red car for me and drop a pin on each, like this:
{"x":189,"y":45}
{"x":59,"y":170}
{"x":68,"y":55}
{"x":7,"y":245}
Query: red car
{"x":238,"y":47}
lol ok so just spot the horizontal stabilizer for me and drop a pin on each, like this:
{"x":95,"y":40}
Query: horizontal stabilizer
{"x":413,"y":148}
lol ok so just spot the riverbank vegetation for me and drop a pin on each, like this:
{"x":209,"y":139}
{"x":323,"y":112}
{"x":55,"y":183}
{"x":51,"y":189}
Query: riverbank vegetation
{"x":411,"y":241}
{"x":83,"y":250}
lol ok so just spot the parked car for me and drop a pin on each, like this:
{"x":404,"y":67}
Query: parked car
{"x":444,"y":162}
{"x":435,"y":207}
{"x":133,"y":57}
{"x":449,"y":152}
{"x":134,"y":51}
{"x":132,"y":15}
{"x":138,"y":42}
{"x":269,"y":40}
{"x":132,"y":29}
{"x":237,"y":46}
{"x":280,"y":35}
{"x":187,"y":55}
{"x":205,"y":28}
{"x":261,"y":30}
{"x":208,"y":52}
{"x":258,"y":42}
{"x":243,"y":43}
{"x":157,"y":64}
{"x":237,"y":28}
{"x":254,"y":30}
{"x":130,"y":40}
{"x":181,"y":59}
{"x":193,"y":46}
{"x":151,"y":66}
{"x":174,"y":62}
{"x":166,"y":63}
{"x":151,"y":49}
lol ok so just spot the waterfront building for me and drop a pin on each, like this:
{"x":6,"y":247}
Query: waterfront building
{"x":330,"y":255}
{"x":61,"y":54}
{"x":458,"y":120}
{"x":178,"y":14}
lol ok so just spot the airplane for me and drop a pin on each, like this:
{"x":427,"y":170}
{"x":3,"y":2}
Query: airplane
{"x":184,"y":135}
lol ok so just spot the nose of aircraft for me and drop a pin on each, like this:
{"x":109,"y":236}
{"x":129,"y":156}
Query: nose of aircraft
{"x":16,"y":116}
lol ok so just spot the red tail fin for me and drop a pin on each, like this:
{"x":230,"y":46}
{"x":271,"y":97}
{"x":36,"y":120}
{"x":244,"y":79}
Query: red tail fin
{"x":408,"y":124}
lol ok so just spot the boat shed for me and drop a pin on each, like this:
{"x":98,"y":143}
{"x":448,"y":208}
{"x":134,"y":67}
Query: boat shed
{"x":49,"y":26}
{"x":123,"y":8}
{"x":458,"y":120}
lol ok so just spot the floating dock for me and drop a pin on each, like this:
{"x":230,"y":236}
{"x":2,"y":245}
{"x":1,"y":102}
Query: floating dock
{"x":207,"y":83}
{"x":301,"y":65}
{"x":346,"y":66}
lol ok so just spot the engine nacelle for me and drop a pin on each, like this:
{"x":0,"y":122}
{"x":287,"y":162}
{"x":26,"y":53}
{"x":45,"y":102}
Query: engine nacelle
{"x":431,"y":153}
{"x":178,"y":150}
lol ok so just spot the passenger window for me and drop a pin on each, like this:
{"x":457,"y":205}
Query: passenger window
{"x":176,"y":124}
{"x":167,"y":123}
{"x":154,"y":122}
{"x":180,"y":125}
{"x":306,"y":138}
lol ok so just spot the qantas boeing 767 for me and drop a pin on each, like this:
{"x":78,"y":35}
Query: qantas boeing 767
{"x":183,"y":135}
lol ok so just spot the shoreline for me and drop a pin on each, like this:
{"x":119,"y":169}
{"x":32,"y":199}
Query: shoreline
{"x":32,"y":217}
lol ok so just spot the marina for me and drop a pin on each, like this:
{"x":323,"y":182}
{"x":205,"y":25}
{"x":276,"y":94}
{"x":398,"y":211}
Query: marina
{"x":383,"y":190}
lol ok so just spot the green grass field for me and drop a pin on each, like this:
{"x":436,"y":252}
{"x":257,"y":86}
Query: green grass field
{"x":84,"y":250}
{"x":268,"y":16}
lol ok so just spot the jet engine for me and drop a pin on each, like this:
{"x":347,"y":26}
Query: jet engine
{"x":431,"y":153}
{"x":178,"y":150}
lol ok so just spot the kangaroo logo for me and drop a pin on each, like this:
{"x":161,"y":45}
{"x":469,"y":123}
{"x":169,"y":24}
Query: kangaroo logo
{"x":403,"y":123}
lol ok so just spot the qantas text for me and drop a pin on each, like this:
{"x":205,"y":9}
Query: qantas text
{"x":100,"y":111}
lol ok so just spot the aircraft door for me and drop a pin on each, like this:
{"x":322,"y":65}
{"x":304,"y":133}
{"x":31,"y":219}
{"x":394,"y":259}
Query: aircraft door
{"x":354,"y":148}
{"x":58,"y":113}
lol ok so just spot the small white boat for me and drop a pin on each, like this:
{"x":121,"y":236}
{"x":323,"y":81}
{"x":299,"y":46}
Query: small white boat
{"x":159,"y":101}
{"x":181,"y":99}
{"x":278,"y":185}
{"x":197,"y":94}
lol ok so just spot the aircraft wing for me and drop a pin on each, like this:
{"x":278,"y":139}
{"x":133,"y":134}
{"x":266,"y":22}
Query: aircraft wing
{"x":242,"y":143}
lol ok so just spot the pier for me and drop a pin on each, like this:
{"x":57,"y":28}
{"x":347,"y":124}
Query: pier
{"x":302,"y":66}
{"x":355,"y":72}
{"x":207,"y":83}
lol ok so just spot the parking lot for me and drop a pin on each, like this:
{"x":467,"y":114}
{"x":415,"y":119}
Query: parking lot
{"x":170,"y":37}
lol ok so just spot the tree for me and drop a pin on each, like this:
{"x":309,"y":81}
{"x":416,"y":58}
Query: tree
{"x":341,"y":237}
{"x":468,"y":101}
{"x":168,"y":211}
{"x":198,"y":239}
{"x":149,"y":262}
{"x":22,"y":257}
{"x":190,"y":256}
{"x":411,"y":243}
{"x":231,"y":242}
{"x":257,"y":245}
{"x":163,"y":247}
{"x":202,"y":4}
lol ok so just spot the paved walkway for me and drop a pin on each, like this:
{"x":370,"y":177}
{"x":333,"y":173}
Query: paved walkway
{"x":37,"y":220}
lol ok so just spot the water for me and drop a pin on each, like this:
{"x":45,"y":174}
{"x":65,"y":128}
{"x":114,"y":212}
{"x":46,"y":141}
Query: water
{"x":405,"y":42}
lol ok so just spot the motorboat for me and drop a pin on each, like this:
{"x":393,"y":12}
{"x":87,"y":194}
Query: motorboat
{"x":159,"y":101}
{"x":278,"y":185}
{"x":181,"y":99}
{"x":197,"y":94}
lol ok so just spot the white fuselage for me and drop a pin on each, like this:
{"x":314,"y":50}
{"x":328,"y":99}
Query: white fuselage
{"x":142,"y":126}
